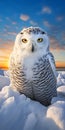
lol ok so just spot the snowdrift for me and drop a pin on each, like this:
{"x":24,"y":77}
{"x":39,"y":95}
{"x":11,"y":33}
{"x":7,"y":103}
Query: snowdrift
{"x":17,"y":112}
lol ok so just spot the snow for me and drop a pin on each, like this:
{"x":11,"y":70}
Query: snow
{"x":6,"y":73}
{"x":61,"y":79}
{"x":61,"y":90}
{"x":4,"y":81}
{"x":57,"y":113}
{"x":17,"y":112}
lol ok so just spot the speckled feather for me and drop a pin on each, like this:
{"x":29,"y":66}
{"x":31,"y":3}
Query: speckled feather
{"x":33,"y":73}
{"x":42,"y":87}
{"x":33,"y":30}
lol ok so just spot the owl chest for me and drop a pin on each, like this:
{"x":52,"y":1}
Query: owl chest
{"x":27,"y":67}
{"x":28,"y":71}
{"x":33,"y":70}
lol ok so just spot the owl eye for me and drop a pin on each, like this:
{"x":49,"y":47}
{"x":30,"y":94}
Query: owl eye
{"x":24,"y":40}
{"x":39,"y":39}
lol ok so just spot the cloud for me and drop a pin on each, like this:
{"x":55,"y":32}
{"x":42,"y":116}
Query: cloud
{"x":55,"y":45}
{"x":24,"y":17}
{"x":47,"y":10}
{"x":33,"y":23}
{"x":12,"y":33}
{"x":59,"y":18}
{"x":0,"y":40}
{"x":7,"y":33}
{"x":46,"y":23}
{"x":10,"y":20}
{"x":6,"y":27}
{"x":14,"y":23}
{"x":6,"y":46}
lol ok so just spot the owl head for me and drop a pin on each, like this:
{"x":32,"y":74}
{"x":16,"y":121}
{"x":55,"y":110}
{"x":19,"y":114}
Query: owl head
{"x":32,"y":40}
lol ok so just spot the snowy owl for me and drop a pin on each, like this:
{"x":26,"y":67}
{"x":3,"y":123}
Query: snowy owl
{"x":32,"y":66}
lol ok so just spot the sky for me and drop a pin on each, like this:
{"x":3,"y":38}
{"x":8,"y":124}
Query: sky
{"x":47,"y":14}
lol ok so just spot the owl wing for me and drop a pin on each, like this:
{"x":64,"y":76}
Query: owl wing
{"x":11,"y":60}
{"x":52,"y":63}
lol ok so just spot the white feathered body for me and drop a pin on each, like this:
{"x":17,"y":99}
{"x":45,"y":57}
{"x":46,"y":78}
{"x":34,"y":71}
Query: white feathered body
{"x":33,"y":74}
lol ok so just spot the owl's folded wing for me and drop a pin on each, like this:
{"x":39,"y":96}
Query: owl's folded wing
{"x":52,"y":62}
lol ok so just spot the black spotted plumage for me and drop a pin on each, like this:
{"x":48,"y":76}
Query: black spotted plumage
{"x":42,"y":86}
{"x":32,"y":30}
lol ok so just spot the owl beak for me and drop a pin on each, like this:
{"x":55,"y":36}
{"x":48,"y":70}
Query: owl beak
{"x":32,"y":48}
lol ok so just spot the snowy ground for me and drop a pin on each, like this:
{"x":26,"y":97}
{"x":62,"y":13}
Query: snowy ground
{"x":17,"y":112}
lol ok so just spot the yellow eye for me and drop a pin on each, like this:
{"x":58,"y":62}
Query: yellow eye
{"x":24,"y":40}
{"x":39,"y":39}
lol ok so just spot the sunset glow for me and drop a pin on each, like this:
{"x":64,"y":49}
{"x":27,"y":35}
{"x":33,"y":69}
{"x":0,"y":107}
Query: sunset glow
{"x":16,"y":15}
{"x":5,"y":54}
{"x":60,"y":64}
{"x":4,"y":64}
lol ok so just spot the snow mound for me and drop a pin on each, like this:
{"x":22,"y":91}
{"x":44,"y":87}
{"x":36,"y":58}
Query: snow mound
{"x":61,"y":79}
{"x":57,"y":113}
{"x":4,"y":81}
{"x":61,"y":90}
{"x":17,"y":112}
{"x":6,"y":73}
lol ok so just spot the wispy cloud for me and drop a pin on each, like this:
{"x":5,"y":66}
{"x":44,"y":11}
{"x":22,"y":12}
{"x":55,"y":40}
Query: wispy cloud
{"x":6,"y":45}
{"x":6,"y":27}
{"x":14,"y":23}
{"x":12,"y":33}
{"x":55,"y":45}
{"x":47,"y":10}
{"x":0,"y":39}
{"x":59,"y":18}
{"x":33,"y":23}
{"x":24,"y":17}
{"x":10,"y":20}
{"x":46,"y":23}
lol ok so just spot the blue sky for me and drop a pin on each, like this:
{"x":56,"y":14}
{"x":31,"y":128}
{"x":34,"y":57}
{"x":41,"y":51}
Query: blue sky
{"x":48,"y":14}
